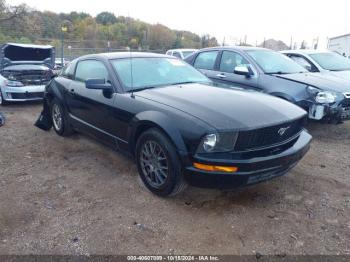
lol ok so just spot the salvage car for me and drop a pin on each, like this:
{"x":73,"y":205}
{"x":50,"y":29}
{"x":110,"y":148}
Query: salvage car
{"x":324,"y":97}
{"x":24,"y":71}
{"x":325,"y":62}
{"x":178,"y":127}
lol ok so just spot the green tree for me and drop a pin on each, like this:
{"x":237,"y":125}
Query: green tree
{"x":106,"y":18}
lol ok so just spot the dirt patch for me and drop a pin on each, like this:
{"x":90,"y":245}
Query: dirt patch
{"x":76,"y":196}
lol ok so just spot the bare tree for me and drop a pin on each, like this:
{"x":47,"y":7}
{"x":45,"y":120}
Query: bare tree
{"x":8,"y":13}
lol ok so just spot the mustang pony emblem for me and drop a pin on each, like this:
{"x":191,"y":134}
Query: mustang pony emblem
{"x":283,"y":130}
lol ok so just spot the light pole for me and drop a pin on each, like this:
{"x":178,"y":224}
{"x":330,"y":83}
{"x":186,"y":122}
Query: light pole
{"x":63,"y":30}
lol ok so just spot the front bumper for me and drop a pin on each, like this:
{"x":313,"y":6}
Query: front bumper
{"x":23,"y":93}
{"x":339,"y":111}
{"x":250,"y":171}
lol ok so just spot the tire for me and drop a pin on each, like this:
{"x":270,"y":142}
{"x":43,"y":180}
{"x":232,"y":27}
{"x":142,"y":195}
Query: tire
{"x":60,"y":122}
{"x":2,"y":101}
{"x":152,"y":170}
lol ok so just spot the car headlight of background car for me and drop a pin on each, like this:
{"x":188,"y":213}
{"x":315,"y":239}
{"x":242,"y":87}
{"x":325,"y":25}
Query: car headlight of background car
{"x":218,"y":142}
{"x":324,"y":97}
{"x":13,"y":83}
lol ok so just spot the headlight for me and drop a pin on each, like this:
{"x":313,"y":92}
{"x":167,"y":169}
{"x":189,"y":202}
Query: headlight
{"x":215,"y":143}
{"x":13,"y":83}
{"x":323,"y":97}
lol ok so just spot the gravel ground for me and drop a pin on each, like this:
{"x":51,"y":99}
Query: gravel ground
{"x":76,"y":196}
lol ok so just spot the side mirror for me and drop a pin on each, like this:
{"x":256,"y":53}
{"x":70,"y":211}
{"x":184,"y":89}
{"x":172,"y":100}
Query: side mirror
{"x":308,"y":68}
{"x":98,"y":84}
{"x":243,"y":70}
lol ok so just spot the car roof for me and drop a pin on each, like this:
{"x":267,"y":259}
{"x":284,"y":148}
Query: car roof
{"x":305,"y":51}
{"x":126,"y":54}
{"x":183,"y":49}
{"x":237,"y":48}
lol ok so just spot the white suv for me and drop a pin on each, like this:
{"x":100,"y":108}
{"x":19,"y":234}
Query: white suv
{"x":181,"y":53}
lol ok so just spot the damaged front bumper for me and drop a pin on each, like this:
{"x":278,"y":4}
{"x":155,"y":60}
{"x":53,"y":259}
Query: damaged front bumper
{"x":23,"y":93}
{"x":338,"y":111}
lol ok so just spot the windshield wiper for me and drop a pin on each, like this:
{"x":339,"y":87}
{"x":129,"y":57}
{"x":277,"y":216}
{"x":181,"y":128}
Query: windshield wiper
{"x":141,"y":89}
{"x":278,"y":73}
{"x":184,"y":83}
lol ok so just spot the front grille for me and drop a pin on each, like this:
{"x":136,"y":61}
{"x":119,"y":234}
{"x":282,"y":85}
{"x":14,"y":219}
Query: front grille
{"x":346,"y":102}
{"x":268,"y":136}
{"x":27,"y":95}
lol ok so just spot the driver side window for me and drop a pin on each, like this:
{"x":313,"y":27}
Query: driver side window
{"x":90,"y":69}
{"x":304,"y":63}
{"x":230,"y":60}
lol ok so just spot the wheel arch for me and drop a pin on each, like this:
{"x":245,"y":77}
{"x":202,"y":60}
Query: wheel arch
{"x":284,"y":96}
{"x":154,"y":119}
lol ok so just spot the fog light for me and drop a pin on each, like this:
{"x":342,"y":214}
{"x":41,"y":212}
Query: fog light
{"x":228,"y":169}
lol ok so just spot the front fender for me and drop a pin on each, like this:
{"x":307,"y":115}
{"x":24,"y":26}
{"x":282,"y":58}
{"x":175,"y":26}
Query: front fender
{"x":284,"y":96}
{"x":148,"y":119}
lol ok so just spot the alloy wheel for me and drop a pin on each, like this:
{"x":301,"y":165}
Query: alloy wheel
{"x":57,"y":117}
{"x":154,"y":163}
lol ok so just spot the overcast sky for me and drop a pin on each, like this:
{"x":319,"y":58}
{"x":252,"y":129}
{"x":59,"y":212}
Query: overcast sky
{"x":279,"y":19}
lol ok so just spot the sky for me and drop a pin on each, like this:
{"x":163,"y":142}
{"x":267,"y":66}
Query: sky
{"x":233,"y":20}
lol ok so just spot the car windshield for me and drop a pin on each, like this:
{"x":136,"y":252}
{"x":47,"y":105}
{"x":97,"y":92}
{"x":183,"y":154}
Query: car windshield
{"x":331,"y":61}
{"x":275,"y":63}
{"x":187,"y":53}
{"x":140,"y":73}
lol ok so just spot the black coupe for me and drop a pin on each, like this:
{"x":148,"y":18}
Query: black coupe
{"x":178,"y":126}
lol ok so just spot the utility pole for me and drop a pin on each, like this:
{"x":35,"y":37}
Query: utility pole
{"x":63,"y":30}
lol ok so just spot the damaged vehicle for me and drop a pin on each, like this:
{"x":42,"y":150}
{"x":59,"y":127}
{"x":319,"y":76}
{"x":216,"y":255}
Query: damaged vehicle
{"x":324,"y":97}
{"x":178,"y":127}
{"x":24,"y":71}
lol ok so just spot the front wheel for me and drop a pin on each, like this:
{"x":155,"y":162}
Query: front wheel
{"x":158,"y":164}
{"x":2,"y":100}
{"x":59,"y":119}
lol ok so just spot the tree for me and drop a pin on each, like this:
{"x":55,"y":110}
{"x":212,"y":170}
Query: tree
{"x":8,"y":13}
{"x":106,"y":18}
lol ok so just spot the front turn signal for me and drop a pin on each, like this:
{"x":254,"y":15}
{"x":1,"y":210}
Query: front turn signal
{"x":228,"y":169}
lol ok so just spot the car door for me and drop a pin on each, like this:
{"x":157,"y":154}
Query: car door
{"x":90,"y":107}
{"x":228,"y":61}
{"x":206,"y":63}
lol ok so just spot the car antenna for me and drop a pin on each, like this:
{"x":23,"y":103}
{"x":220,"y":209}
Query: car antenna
{"x":131,"y":74}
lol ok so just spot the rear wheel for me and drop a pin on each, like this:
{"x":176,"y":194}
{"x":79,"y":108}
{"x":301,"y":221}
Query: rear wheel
{"x":59,"y":119}
{"x":158,"y":164}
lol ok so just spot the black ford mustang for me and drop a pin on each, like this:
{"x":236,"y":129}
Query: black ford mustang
{"x":177,"y":125}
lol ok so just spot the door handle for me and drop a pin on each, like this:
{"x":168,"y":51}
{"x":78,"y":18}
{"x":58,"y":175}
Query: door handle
{"x":221,"y":75}
{"x":72,"y":91}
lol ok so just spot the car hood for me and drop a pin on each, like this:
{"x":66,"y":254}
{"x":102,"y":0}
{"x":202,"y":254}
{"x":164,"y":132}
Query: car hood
{"x":322,"y":81}
{"x":345,"y":75}
{"x":26,"y":67}
{"x":225,"y":108}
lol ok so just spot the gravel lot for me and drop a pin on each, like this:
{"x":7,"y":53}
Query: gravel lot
{"x":76,"y":196}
